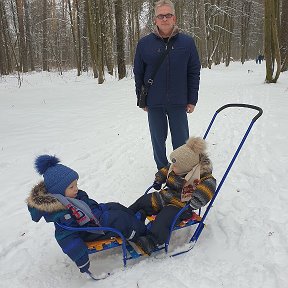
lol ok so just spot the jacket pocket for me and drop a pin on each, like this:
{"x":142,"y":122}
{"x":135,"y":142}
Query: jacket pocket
{"x":179,"y":49}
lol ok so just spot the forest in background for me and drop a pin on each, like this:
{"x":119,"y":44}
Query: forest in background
{"x":46,"y":35}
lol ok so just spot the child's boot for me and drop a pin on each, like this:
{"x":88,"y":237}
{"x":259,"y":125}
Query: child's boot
{"x":147,"y":244}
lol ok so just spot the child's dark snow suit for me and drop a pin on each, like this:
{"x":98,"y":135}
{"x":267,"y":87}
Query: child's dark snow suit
{"x":167,"y":202}
{"x":114,"y":215}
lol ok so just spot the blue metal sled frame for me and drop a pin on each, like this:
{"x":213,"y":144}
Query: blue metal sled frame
{"x":128,"y":251}
{"x":201,"y":224}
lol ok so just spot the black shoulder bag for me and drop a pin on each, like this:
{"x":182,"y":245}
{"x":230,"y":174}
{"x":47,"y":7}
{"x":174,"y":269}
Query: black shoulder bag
{"x":142,"y":98}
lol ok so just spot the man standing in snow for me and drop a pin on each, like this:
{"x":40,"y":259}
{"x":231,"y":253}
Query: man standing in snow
{"x":174,"y":91}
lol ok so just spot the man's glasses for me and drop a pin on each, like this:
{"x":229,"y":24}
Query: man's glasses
{"x":167,"y":16}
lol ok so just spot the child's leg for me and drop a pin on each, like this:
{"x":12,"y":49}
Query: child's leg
{"x":148,"y":203}
{"x":159,"y":231}
{"x":160,"y":228}
{"x":126,"y":223}
{"x":118,"y":206}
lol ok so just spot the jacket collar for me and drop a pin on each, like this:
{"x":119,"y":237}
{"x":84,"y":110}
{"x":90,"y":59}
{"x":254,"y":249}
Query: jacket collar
{"x":41,"y":200}
{"x":174,"y":32}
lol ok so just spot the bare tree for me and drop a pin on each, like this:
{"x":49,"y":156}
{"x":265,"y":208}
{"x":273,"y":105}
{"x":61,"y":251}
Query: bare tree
{"x":29,"y":36}
{"x":120,"y":39}
{"x":85,"y":63}
{"x":108,"y":35}
{"x":284,"y":37}
{"x":78,"y":25}
{"x":272,"y":49}
{"x":99,"y":39}
{"x":245,"y":21}
{"x":91,"y":35}
{"x":203,"y":36}
{"x":65,"y":34}
{"x":5,"y":57}
{"x":22,"y":39}
{"x":74,"y":31}
{"x":45,"y":37}
{"x":179,"y":7}
{"x":227,"y":38}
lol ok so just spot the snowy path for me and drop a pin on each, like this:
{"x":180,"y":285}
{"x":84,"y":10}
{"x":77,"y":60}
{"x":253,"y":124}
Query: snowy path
{"x":97,"y":130}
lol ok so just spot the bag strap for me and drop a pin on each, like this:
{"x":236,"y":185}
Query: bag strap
{"x":160,"y":61}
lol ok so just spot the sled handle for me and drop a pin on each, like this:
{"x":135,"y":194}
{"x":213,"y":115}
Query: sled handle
{"x":260,"y":112}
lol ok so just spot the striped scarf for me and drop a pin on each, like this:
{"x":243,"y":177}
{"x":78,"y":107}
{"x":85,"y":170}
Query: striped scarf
{"x":78,"y":208}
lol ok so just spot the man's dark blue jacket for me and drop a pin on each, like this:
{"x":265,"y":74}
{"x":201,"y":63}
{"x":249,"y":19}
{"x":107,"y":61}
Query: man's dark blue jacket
{"x":177,"y":80}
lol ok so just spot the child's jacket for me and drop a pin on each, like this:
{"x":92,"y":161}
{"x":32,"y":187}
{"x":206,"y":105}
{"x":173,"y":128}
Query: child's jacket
{"x":171,"y":194}
{"x":115,"y":215}
{"x":40,"y":204}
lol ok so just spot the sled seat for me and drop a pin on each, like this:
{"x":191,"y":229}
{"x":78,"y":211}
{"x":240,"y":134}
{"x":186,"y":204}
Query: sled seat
{"x":195,"y":218}
{"x":129,"y":252}
{"x":113,"y":242}
{"x":100,"y":245}
{"x":105,"y":244}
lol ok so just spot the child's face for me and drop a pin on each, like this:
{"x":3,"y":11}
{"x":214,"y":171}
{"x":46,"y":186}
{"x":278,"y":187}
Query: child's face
{"x":72,"y":190}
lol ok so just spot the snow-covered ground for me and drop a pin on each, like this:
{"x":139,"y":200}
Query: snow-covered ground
{"x":98,"y":131}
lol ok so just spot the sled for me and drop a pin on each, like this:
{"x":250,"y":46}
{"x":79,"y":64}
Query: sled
{"x":131,"y":251}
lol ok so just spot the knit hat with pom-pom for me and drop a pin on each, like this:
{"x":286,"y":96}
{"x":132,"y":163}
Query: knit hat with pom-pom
{"x":57,"y":177}
{"x":187,"y":155}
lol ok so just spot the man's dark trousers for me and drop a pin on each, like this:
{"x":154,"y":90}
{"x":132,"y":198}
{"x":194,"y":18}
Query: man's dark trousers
{"x":158,"y":118}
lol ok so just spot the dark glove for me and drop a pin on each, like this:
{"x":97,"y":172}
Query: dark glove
{"x":187,"y":214}
{"x":85,"y":268}
{"x":157,"y":185}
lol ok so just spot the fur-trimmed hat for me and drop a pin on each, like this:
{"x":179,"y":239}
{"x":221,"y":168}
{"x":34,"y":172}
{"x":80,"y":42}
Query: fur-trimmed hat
{"x":57,"y":177}
{"x":187,"y":155}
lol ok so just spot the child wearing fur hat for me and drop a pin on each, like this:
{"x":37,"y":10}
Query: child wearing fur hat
{"x":188,"y":180}
{"x":57,"y":199}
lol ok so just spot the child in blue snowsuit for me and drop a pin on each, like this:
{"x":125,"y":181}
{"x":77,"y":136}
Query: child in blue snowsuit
{"x":57,"y":199}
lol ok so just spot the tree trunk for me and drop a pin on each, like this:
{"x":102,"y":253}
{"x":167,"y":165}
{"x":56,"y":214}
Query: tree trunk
{"x":245,"y":23}
{"x":130,"y":29}
{"x":120,"y":39}
{"x":29,"y":36}
{"x":284,"y":36}
{"x":5,"y":61}
{"x":22,"y":41}
{"x":45,"y":37}
{"x":76,"y":3}
{"x":227,"y":41}
{"x":74,"y":39}
{"x":179,"y":6}
{"x":85,"y":65}
{"x":99,"y":39}
{"x":272,"y":50}
{"x":91,"y":36}
{"x":108,"y":36}
{"x":203,"y":35}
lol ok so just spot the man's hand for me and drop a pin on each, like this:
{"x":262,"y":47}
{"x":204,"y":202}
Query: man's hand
{"x":145,"y":109}
{"x":190,"y":108}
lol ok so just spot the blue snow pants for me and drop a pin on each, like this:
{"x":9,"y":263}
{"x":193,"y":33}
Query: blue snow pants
{"x":115,"y":215}
{"x":158,"y":119}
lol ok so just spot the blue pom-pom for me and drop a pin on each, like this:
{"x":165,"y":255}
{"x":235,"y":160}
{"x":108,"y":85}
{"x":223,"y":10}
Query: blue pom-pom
{"x":43,"y":162}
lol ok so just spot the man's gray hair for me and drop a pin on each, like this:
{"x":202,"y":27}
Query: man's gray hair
{"x":164,"y":3}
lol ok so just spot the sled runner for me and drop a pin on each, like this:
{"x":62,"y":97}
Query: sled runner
{"x":131,"y":251}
